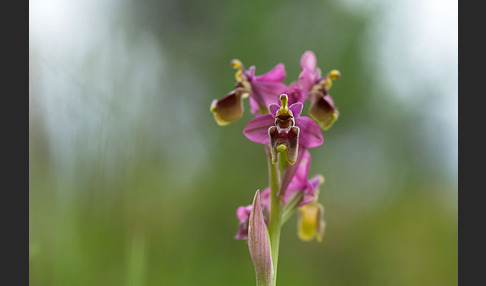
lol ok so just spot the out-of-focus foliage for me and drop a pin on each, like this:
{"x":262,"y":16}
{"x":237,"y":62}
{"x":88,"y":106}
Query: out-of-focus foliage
{"x":133,"y":183}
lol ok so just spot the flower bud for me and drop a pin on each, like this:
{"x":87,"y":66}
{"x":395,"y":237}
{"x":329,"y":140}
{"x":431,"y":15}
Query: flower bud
{"x":259,"y":245}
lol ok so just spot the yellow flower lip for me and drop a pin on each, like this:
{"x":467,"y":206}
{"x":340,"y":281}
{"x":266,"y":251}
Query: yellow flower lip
{"x":311,"y":224}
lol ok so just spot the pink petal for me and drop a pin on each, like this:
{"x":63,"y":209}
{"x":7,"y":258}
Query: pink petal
{"x":310,"y":133}
{"x":309,"y":195}
{"x":305,"y":82}
{"x":294,"y":187}
{"x":266,"y":92}
{"x":266,"y":88}
{"x":273,"y":109}
{"x":242,"y":231}
{"x":254,"y":107}
{"x":251,"y":72}
{"x":259,"y":244}
{"x":290,"y":171}
{"x":291,"y":86}
{"x":304,"y":166}
{"x":316,"y":181}
{"x":308,"y":61}
{"x":310,"y":74}
{"x":310,"y":191}
{"x":295,"y":94}
{"x":277,"y":74}
{"x":266,"y":199}
{"x":242,"y":213}
{"x":299,"y":180}
{"x":329,"y":99}
{"x":257,"y":129}
{"x":296,"y":109}
{"x":318,"y":73}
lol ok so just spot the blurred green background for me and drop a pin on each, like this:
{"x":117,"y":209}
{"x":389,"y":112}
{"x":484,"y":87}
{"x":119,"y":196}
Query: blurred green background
{"x":133,"y":183}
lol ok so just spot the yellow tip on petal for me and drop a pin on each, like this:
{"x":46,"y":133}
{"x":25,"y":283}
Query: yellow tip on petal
{"x":239,"y":76}
{"x":220,"y":121}
{"x":213,"y":106}
{"x":236,"y":64}
{"x":334,"y":74}
{"x":326,"y":124}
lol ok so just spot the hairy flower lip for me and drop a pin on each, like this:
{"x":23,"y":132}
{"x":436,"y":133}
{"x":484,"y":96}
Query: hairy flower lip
{"x":288,"y":137}
{"x":229,"y":108}
{"x":323,"y":111}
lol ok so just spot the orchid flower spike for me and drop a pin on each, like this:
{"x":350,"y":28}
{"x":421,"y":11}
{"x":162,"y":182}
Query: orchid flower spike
{"x":286,"y":136}
{"x":262,"y":91}
{"x":285,"y":130}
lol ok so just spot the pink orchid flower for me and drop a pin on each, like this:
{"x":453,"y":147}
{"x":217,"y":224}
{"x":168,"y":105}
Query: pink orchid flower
{"x":262,"y":90}
{"x":316,"y":88}
{"x":284,"y":126}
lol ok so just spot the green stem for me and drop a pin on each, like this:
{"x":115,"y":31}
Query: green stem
{"x":290,"y":206}
{"x":275,"y":221}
